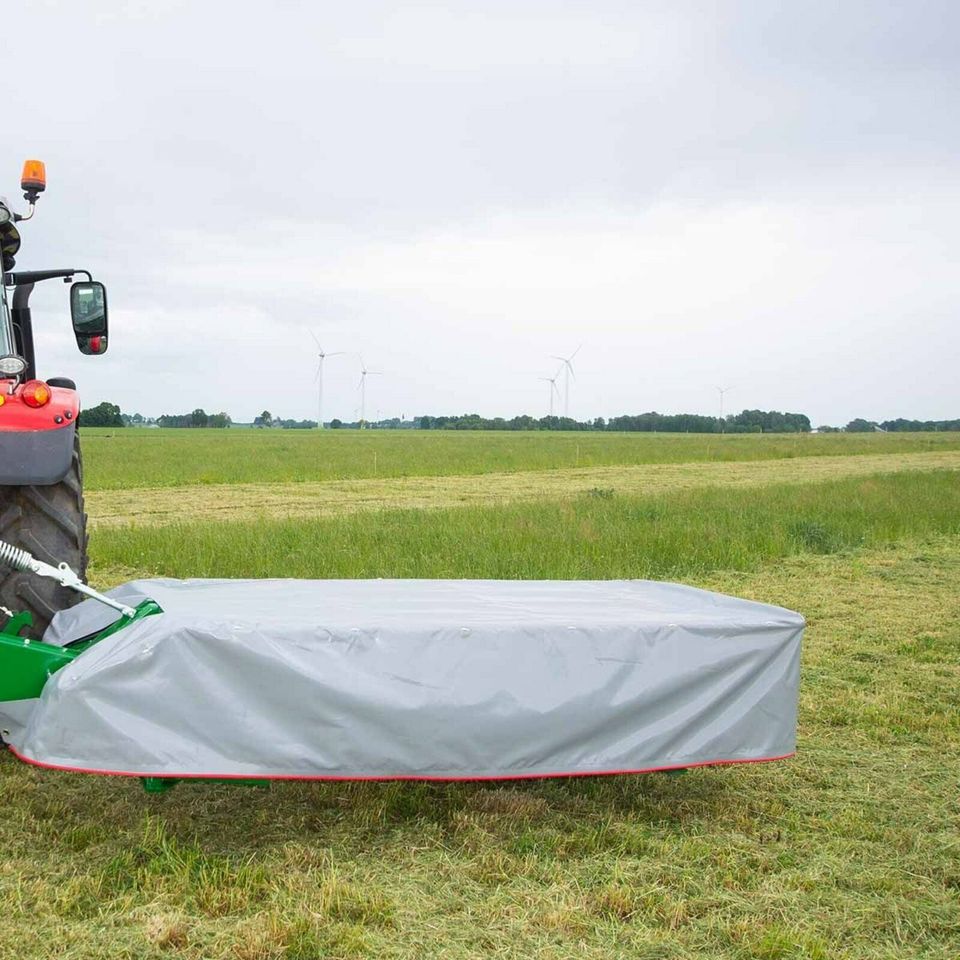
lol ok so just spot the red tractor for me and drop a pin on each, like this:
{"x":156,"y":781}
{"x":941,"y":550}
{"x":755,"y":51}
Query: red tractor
{"x":41,"y":476}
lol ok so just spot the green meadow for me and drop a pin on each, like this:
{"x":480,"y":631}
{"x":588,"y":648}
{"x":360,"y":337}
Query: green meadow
{"x":849,"y":851}
{"x":139,"y":457}
{"x":599,"y":534}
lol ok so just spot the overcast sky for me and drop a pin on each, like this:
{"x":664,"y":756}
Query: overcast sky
{"x":759,"y":195}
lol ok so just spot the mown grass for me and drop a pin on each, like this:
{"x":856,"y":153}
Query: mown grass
{"x":599,"y":534}
{"x":303,"y":499}
{"x":848,"y":852}
{"x":118,"y":459}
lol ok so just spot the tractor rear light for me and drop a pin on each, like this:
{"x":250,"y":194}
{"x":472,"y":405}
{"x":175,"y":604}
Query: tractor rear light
{"x":35,"y":393}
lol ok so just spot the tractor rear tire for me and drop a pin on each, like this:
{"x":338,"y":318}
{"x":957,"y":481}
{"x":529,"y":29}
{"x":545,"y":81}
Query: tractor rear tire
{"x":50,"y":523}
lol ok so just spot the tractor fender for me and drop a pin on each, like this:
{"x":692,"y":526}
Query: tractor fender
{"x":36,"y":443}
{"x":36,"y":457}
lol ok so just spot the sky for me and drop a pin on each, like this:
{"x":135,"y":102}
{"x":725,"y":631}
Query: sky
{"x":762,"y":196}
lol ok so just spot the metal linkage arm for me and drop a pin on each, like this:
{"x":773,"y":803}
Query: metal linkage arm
{"x":62,"y":573}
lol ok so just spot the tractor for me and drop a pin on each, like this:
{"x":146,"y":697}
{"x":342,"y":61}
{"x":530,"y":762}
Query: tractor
{"x":41,"y":472}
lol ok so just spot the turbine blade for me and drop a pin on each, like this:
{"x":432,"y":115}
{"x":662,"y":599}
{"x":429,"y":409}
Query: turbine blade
{"x":315,"y":340}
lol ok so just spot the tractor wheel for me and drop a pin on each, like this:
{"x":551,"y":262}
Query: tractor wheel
{"x":49,"y":522}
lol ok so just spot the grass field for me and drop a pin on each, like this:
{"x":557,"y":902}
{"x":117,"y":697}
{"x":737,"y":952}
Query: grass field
{"x":119,"y":459}
{"x":848,"y":851}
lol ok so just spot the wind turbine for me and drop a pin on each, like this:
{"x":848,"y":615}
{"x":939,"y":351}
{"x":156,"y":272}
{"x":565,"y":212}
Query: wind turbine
{"x":553,"y":388}
{"x":318,"y":377}
{"x":722,"y":391}
{"x":567,"y":369}
{"x":364,"y":373}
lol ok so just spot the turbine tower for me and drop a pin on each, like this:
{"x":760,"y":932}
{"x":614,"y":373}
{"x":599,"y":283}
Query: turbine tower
{"x":553,"y":388}
{"x":567,"y":369}
{"x":318,"y":378}
{"x":364,"y":373}
{"x":722,"y":391}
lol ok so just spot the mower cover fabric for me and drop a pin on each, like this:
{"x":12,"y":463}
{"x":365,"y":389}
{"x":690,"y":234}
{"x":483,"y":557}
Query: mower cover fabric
{"x":419,"y":679}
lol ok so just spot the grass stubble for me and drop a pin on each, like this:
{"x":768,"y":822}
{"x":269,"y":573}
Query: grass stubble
{"x":850,"y":850}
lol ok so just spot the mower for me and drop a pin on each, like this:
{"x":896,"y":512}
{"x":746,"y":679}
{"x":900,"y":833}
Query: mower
{"x":258,"y":680}
{"x":41,"y":474}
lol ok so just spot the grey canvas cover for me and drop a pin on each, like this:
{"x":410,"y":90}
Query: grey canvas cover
{"x":416,"y":679}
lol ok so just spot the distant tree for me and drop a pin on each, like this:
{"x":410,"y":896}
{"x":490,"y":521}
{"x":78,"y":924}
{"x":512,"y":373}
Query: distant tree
{"x":920,"y":425}
{"x":264,"y":420}
{"x":102,"y":415}
{"x":336,"y":424}
{"x":198,"y":418}
{"x":767,"y":421}
{"x":859,"y":425}
{"x":221,"y":420}
{"x":175,"y":420}
{"x":295,"y":424}
{"x":824,"y":428}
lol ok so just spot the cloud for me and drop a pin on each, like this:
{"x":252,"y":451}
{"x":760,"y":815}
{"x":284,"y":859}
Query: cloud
{"x":758,"y":194}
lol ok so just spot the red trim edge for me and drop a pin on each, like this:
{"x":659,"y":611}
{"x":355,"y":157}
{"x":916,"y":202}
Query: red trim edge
{"x":394,"y":777}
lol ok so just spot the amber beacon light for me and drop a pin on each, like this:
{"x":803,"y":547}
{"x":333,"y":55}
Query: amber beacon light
{"x":33,"y":180}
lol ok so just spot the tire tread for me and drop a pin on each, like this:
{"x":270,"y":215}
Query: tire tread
{"x":49,"y":522}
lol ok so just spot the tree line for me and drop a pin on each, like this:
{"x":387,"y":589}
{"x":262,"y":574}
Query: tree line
{"x":747,"y":421}
{"x":861,"y":425}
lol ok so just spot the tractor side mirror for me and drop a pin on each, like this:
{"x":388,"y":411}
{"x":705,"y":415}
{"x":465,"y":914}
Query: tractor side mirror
{"x":88,"y":312}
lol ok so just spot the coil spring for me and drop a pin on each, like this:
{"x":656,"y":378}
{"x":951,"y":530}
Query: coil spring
{"x":14,"y":557}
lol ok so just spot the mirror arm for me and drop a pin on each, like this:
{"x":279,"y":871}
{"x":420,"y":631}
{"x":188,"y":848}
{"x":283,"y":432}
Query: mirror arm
{"x":35,"y":276}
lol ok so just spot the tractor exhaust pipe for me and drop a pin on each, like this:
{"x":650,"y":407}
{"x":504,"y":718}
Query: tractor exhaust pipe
{"x":19,"y":559}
